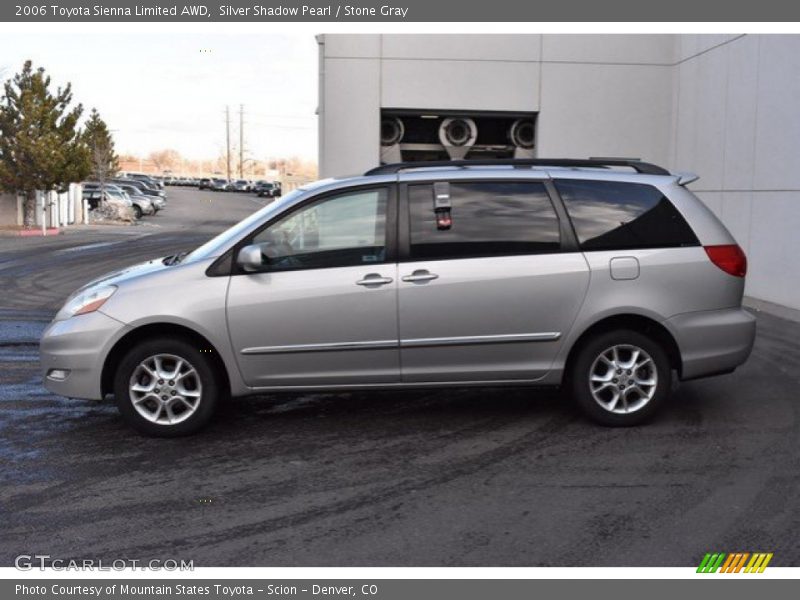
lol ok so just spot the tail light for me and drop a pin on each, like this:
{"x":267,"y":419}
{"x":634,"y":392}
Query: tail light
{"x":728,"y":257}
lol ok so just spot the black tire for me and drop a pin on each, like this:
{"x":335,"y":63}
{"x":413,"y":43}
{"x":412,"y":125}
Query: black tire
{"x":137,"y":212}
{"x":584,"y":366}
{"x":209,"y":392}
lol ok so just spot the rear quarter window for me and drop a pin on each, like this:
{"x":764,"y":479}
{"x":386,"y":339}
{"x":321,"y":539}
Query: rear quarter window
{"x":616,"y":215}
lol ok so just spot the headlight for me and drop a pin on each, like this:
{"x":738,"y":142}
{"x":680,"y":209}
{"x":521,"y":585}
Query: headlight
{"x":86,"y":301}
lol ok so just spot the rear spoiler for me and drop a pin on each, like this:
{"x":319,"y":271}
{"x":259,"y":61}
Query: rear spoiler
{"x":685,"y":178}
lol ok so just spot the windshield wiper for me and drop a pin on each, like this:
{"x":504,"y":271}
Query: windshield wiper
{"x":174,"y":259}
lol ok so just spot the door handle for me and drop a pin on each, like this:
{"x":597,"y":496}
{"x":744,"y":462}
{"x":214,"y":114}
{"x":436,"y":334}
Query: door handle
{"x":374,"y":279}
{"x":421,"y":275}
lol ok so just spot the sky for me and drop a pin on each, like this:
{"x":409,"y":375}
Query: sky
{"x":168,"y":90}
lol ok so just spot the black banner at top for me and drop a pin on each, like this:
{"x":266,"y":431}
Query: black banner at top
{"x":401,"y":11}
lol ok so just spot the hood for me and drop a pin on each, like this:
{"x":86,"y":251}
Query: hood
{"x":122,"y":275}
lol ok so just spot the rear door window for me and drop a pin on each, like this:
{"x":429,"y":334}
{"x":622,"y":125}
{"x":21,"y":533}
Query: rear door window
{"x":488,"y":218}
{"x":616,"y":215}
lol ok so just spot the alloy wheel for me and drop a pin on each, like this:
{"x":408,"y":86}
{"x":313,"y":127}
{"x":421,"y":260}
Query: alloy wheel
{"x":623,"y":379}
{"x":165,"y":389}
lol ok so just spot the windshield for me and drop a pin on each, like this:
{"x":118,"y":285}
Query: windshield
{"x":216,"y":246}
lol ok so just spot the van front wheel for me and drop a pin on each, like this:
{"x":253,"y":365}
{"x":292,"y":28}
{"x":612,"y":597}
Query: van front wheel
{"x":620,"y":378}
{"x":166,"y":388}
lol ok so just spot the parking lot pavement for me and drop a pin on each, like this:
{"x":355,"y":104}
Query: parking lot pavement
{"x":39,"y":272}
{"x":446,"y":477}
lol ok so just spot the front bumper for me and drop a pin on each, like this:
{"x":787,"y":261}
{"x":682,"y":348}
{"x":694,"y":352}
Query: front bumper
{"x":714,"y":341}
{"x":78,"y":347}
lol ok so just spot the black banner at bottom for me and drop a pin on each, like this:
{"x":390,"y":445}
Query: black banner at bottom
{"x":392,"y":589}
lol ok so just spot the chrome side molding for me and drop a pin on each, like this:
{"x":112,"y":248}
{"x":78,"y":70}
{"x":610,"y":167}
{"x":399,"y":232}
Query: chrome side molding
{"x":372,"y":345}
{"x":468,"y":340}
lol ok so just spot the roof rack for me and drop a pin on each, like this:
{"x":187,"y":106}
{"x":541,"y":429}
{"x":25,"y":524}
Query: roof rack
{"x":634,"y":163}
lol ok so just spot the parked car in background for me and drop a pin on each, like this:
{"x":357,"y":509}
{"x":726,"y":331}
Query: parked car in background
{"x":94,"y":194}
{"x":141,"y":205}
{"x":149,"y":200}
{"x":205,"y":183}
{"x":241,"y":185}
{"x":220,"y":185}
{"x":148,"y":179}
{"x":135,"y":193}
{"x":112,"y":188}
{"x":143,"y":186}
{"x":159,"y":203}
{"x":94,"y":198}
{"x":267,"y":189}
{"x":93,"y":185}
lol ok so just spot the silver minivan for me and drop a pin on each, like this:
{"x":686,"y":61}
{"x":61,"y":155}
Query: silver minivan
{"x":604,"y":277}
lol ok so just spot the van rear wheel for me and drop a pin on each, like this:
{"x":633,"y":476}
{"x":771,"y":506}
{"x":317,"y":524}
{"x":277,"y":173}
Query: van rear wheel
{"x":620,"y":378}
{"x":166,"y":388}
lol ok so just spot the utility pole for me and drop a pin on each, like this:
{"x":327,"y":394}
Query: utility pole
{"x":228,"y":139}
{"x":241,"y":141}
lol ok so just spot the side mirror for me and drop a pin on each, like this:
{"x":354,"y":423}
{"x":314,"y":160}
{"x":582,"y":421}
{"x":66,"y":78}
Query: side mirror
{"x":250,"y":258}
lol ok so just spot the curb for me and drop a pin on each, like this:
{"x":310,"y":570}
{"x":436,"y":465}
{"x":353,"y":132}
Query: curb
{"x":38,"y":232}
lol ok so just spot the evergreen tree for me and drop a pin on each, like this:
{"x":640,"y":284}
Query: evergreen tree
{"x":41,"y":147}
{"x":97,"y":137}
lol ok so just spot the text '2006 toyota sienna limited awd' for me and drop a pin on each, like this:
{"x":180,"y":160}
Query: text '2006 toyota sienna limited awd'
{"x":604,"y":277}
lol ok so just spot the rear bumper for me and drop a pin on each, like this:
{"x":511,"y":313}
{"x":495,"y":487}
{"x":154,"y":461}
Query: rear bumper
{"x":714,"y":341}
{"x":78,"y":347}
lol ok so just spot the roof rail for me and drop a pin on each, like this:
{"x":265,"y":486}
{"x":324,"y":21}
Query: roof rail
{"x":636,"y":164}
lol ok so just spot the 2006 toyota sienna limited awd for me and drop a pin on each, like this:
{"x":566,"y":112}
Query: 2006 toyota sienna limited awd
{"x":601,"y":276}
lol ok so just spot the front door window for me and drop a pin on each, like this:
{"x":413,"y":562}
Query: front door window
{"x":339,"y":231}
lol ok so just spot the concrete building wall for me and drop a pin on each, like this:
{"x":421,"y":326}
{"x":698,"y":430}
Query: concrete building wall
{"x":736,"y":123}
{"x":349,"y":103}
{"x":8,"y":209}
{"x":604,"y":95}
{"x":722,"y":106}
{"x":614,"y":91}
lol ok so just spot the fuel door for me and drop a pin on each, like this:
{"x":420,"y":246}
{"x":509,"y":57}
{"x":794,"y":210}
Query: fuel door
{"x":624,"y":267}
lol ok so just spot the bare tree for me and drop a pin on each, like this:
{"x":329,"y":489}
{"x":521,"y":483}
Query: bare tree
{"x":166,"y":160}
{"x":104,"y":161}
